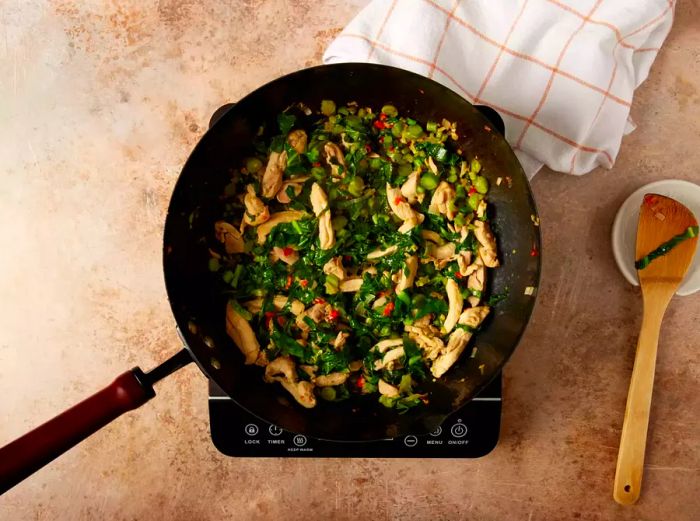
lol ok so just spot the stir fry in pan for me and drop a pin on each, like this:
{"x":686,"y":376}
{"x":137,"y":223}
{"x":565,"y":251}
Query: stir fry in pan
{"x":355,"y":248}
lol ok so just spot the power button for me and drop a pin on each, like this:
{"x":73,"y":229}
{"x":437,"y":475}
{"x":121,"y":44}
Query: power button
{"x":459,"y":430}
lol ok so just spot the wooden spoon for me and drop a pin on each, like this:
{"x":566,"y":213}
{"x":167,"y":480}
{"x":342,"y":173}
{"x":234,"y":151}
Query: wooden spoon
{"x":660,"y":219}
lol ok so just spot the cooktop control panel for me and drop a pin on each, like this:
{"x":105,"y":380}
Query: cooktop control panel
{"x":470,"y":432}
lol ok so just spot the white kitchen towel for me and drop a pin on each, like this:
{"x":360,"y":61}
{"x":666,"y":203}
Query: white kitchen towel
{"x":561,"y":73}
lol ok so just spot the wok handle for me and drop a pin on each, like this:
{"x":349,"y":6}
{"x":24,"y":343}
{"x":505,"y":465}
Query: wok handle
{"x":27,"y":454}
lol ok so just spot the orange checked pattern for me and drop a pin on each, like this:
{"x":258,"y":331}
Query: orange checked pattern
{"x":561,"y":73}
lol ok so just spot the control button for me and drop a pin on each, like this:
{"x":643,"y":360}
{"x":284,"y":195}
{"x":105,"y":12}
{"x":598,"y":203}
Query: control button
{"x":410,"y":441}
{"x":299,"y":440}
{"x":436,"y":432}
{"x":251,"y":429}
{"x":459,"y":430}
{"x":274,"y":430}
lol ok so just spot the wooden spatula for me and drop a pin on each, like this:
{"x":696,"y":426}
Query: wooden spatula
{"x":661,"y":219}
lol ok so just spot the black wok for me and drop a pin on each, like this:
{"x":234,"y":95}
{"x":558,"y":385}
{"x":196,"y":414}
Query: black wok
{"x":198,"y":304}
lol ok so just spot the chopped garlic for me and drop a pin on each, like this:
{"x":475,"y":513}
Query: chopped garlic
{"x":530,"y":290}
{"x":499,"y":180}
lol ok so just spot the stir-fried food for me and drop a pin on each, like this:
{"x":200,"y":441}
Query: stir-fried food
{"x":355,"y":250}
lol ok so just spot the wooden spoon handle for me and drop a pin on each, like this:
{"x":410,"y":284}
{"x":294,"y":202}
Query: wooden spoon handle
{"x":630,"y":458}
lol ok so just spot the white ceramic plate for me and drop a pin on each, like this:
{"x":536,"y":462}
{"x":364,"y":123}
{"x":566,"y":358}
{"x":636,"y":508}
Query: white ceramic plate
{"x":624,"y":230}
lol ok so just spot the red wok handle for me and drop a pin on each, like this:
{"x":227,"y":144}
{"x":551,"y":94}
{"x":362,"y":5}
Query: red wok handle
{"x":27,"y":454}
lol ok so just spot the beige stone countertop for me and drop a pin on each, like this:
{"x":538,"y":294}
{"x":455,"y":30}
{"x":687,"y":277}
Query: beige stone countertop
{"x":101,"y":103}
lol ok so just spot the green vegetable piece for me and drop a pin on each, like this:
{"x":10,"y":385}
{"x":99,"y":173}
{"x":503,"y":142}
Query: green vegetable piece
{"x":474,"y":200}
{"x":375,"y":163}
{"x":227,"y":276}
{"x":481,"y":184}
{"x":404,"y":297}
{"x":452,"y":178}
{"x":414,"y":131}
{"x":327,"y":107}
{"x":390,"y":111}
{"x":431,"y":126}
{"x":397,"y":129}
{"x":429,"y":181}
{"x":236,"y":275}
{"x":460,"y":191}
{"x":404,"y":169}
{"x":214,"y":264}
{"x":318,"y":173}
{"x":328,"y":393}
{"x":332,"y":284}
{"x":420,"y":189}
{"x":356,"y":186}
{"x":459,"y":220}
{"x":406,"y":385}
{"x":253,"y":165}
{"x":475,"y":166}
{"x":286,"y":122}
{"x":338,"y":223}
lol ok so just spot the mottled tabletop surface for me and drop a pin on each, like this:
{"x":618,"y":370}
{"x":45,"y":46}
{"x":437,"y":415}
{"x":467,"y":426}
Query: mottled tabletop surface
{"x":100,"y":104}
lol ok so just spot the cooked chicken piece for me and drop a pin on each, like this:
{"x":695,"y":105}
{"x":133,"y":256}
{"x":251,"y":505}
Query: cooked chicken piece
{"x":335,"y":267}
{"x":379,"y":302}
{"x":384,"y":345}
{"x":279,"y":301}
{"x":432,"y":236}
{"x":286,"y":216}
{"x":297,"y":185}
{"x":371,"y":270}
{"x":472,"y":317}
{"x":281,"y":369}
{"x":256,"y":211}
{"x":446,"y":251}
{"x":376,"y":254}
{"x":487,"y":250}
{"x":476,"y":281}
{"x":430,"y":345}
{"x":232,"y":238}
{"x":319,"y":203}
{"x":262,"y":359}
{"x":278,"y":253}
{"x":463,"y":260}
{"x":401,"y":208}
{"x":387,"y":389}
{"x":406,"y":280}
{"x":432,"y":166}
{"x":272,"y":178}
{"x":456,"y":343}
{"x":408,"y":189}
{"x":340,"y":340}
{"x":411,"y":223}
{"x":454,"y":297}
{"x":242,"y":334}
{"x":350,"y":285}
{"x":310,"y":370}
{"x":390,"y":359}
{"x":335,"y":158}
{"x":481,"y":209}
{"x":297,"y":140}
{"x":442,"y":201}
{"x":329,"y":380}
{"x":318,"y":312}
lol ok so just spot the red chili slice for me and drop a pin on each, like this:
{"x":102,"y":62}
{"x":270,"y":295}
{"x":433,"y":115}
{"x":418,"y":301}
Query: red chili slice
{"x":398,"y":201}
{"x":304,"y":283}
{"x":379,"y":124}
{"x":388,"y":309}
{"x":333,"y":314}
{"x":360,"y":382}
{"x":287,"y":251}
{"x":534,"y":252}
{"x":471,"y":191}
{"x":319,"y":300}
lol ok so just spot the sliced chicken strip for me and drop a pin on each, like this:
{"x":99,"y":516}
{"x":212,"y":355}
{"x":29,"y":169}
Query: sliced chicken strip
{"x":476,"y":282}
{"x":384,"y":345}
{"x":340,"y":340}
{"x":230,"y":237}
{"x":279,"y":301}
{"x":443,"y":201}
{"x":284,"y":255}
{"x":335,"y":159}
{"x":387,"y":389}
{"x":408,"y":189}
{"x":487,"y":250}
{"x":454,"y":297}
{"x":376,"y":254}
{"x":272,"y":178}
{"x":335,"y":267}
{"x":331,"y":379}
{"x":319,"y":203}
{"x":286,"y":216}
{"x":282,"y":370}
{"x":297,"y":185}
{"x":401,"y":208}
{"x":256,"y":212}
{"x":350,"y":285}
{"x":238,"y":328}
{"x":456,"y":343}
{"x":472,"y":317}
{"x":297,"y":140}
{"x":406,"y":280}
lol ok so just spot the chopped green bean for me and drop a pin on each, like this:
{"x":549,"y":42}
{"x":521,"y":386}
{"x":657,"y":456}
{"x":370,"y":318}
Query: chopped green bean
{"x":390,"y":111}
{"x":253,"y":165}
{"x":429,"y":181}
{"x":481,"y":184}
{"x":327,"y":107}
